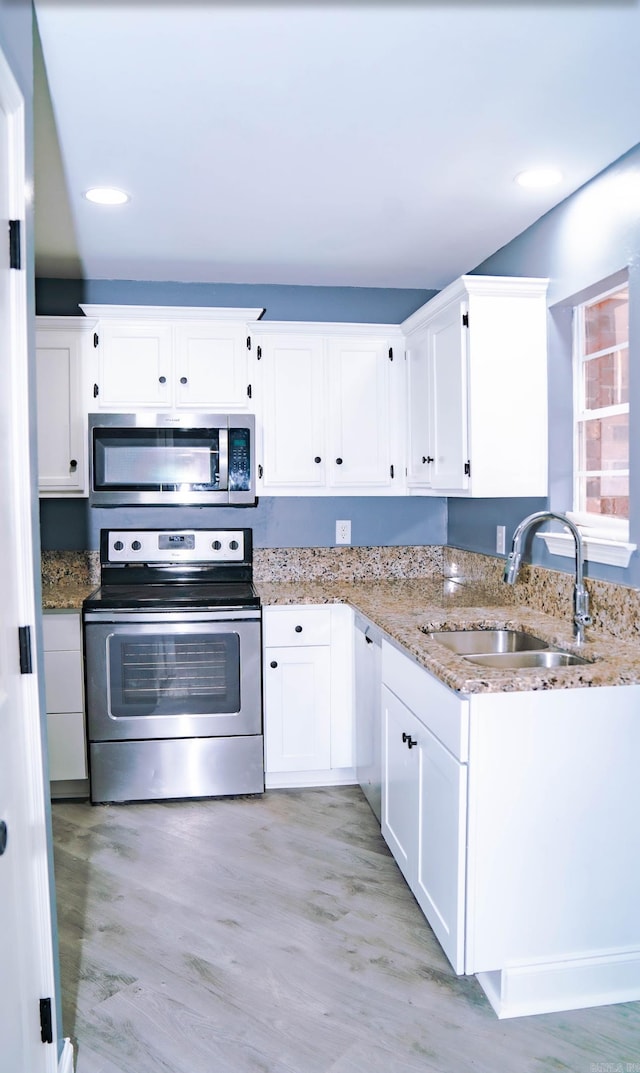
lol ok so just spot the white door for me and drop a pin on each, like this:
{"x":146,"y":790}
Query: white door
{"x":211,"y":368}
{"x":26,"y":961}
{"x":297,"y":690}
{"x":136,"y":365}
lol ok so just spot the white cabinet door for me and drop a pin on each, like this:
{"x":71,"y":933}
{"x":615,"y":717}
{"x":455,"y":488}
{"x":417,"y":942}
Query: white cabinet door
{"x":62,"y":448}
{"x":419,"y":423}
{"x":135,"y":363}
{"x":211,"y":367}
{"x":447,"y":346}
{"x":293,"y":392}
{"x":368,"y":713}
{"x":297,"y":687}
{"x":400,"y":784}
{"x":359,"y":414}
{"x":441,"y":860}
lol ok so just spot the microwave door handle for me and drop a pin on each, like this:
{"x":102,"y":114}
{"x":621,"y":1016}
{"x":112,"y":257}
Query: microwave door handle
{"x":223,"y":458}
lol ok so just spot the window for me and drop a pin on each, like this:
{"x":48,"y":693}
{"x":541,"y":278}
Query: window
{"x":601,"y":412}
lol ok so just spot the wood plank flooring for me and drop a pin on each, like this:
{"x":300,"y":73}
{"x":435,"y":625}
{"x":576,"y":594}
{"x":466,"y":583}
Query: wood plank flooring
{"x":275,"y":935}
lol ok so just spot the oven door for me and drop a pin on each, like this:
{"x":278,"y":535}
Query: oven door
{"x":173,"y":676}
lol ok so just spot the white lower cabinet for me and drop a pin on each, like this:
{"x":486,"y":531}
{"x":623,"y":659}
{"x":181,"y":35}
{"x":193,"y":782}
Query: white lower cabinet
{"x":64,"y":695}
{"x":308,"y":723}
{"x":424,"y":796}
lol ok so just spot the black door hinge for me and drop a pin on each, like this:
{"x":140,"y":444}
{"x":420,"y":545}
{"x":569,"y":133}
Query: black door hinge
{"x":390,"y":353}
{"x":96,"y":391}
{"x":258,"y":352}
{"x":15,"y":251}
{"x":467,"y":468}
{"x":24,"y":643}
{"x":249,"y":390}
{"x":391,"y":472}
{"x":260,"y":472}
{"x":465,"y":320}
{"x":96,"y":339}
{"x":46,"y":1023}
{"x":248,"y":342}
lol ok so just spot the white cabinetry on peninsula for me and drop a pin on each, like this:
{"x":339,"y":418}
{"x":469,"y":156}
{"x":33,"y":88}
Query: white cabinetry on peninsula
{"x":64,"y":695}
{"x":331,"y":418}
{"x":505,"y":813}
{"x":63,"y":346}
{"x":477,"y":389}
{"x":162,"y":357}
{"x":308,"y":718}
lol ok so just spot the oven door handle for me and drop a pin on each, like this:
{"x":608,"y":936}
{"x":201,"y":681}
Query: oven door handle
{"x":182,"y":617}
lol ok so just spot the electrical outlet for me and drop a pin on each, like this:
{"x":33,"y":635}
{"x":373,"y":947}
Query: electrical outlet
{"x":343,"y":532}
{"x":501,"y":539}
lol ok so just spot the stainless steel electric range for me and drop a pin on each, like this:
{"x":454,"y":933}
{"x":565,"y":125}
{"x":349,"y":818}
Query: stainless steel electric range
{"x":172,"y":642}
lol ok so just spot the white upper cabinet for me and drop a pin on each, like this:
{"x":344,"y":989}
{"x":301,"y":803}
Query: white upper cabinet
{"x":62,"y":348}
{"x":477,"y":389}
{"x":173,"y":358}
{"x":332,"y":408}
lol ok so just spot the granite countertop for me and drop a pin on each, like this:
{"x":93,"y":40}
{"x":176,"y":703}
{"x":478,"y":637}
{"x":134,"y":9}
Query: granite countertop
{"x":402,"y":608}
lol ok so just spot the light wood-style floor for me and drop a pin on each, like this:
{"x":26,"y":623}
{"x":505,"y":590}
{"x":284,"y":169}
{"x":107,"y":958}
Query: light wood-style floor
{"x":275,"y":935}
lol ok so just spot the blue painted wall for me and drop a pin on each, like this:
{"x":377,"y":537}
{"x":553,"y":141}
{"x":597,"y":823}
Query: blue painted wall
{"x":366,"y":305}
{"x":592,"y":236}
{"x":287,"y":522}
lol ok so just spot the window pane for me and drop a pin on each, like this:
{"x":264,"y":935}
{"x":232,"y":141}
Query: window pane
{"x":606,"y":323}
{"x":606,"y":495}
{"x":606,"y":380}
{"x":604,"y":443}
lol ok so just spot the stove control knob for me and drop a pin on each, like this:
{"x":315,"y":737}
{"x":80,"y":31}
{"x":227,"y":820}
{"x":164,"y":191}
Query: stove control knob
{"x":233,"y":544}
{"x":216,"y":545}
{"x":118,"y":545}
{"x":136,"y":545}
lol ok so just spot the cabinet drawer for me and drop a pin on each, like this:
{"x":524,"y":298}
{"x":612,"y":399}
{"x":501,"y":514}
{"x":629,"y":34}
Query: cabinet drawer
{"x":61,"y":632}
{"x":67,"y":752}
{"x":63,"y":681}
{"x":444,"y":712}
{"x":297,"y":626}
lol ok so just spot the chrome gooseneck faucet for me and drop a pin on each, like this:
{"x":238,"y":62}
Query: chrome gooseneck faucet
{"x":581,"y":616}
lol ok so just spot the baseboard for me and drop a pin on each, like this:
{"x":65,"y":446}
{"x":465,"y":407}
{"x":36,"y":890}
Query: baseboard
{"x":67,"y":789}
{"x":289,"y":780}
{"x":65,"y":1063}
{"x":520,"y":991}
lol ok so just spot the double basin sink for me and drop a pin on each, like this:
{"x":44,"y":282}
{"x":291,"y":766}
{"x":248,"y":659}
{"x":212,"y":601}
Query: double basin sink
{"x":509,"y":649}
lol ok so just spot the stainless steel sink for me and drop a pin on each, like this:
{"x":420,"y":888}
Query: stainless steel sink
{"x":472,"y":642}
{"x":515,"y":660}
{"x":508,"y":649}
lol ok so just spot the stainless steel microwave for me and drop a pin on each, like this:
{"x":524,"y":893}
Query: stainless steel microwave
{"x":164,"y":459}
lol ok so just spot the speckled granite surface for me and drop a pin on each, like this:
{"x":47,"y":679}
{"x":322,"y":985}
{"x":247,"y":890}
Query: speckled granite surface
{"x":403,"y":592}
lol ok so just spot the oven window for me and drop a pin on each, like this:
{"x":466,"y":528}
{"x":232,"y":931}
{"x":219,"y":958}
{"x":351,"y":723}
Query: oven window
{"x":174,"y":674}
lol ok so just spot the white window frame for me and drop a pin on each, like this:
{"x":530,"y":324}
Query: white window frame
{"x":606,"y":539}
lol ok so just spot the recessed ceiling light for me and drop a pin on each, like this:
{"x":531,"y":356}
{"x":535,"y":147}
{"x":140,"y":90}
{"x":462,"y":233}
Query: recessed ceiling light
{"x":106,"y":195}
{"x":539,"y":177}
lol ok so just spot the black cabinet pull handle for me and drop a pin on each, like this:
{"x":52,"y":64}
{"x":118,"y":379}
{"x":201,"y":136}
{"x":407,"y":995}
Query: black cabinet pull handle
{"x":274,"y":663}
{"x":317,"y":459}
{"x":338,"y":461}
{"x":183,"y":380}
{"x":73,"y":463}
{"x":162,"y":379}
{"x":4,"y":836}
{"x":428,"y":458}
{"x":298,"y":629}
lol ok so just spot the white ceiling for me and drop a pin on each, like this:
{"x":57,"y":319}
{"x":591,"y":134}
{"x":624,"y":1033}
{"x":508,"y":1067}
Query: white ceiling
{"x":353,"y":144}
